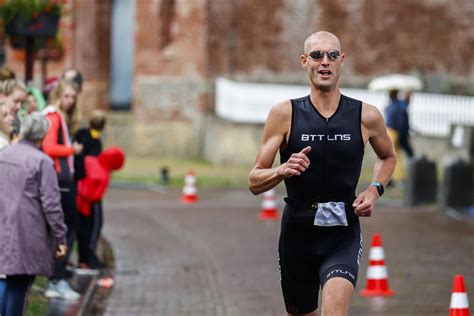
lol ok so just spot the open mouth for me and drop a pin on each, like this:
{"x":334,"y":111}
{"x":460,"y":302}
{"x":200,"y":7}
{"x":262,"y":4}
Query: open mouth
{"x":325,"y":73}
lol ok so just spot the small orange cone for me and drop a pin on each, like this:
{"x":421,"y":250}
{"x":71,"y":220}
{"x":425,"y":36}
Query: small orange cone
{"x":269,"y":209}
{"x":459,"y":304}
{"x":377,"y":278}
{"x":189,"y":195}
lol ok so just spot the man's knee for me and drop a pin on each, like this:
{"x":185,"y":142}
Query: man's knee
{"x":337,"y":293}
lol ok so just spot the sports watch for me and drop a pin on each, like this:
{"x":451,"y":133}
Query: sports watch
{"x":379,"y":187}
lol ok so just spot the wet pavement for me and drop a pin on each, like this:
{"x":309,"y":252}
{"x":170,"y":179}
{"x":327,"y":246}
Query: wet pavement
{"x":216,"y":258}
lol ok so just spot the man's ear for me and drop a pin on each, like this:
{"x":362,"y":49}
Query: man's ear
{"x":303,"y":59}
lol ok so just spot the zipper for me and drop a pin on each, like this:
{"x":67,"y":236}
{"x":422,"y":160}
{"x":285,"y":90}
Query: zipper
{"x":326,"y":159}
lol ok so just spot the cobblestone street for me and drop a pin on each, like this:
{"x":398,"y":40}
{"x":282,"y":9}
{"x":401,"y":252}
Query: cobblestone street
{"x":217,"y":258}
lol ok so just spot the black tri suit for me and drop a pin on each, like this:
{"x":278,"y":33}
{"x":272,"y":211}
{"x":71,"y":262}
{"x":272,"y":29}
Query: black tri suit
{"x":320,"y":232}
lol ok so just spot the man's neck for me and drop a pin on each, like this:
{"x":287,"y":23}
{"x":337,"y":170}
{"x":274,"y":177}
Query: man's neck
{"x":326,"y":102}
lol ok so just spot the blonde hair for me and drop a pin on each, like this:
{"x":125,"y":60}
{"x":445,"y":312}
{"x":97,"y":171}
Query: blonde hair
{"x":72,"y":119}
{"x":10,"y":85}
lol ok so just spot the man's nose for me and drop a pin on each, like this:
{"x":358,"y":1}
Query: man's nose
{"x":325,"y":60}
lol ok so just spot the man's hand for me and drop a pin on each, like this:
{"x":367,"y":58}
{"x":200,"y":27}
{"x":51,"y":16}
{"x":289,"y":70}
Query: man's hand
{"x":297,"y":164}
{"x":61,"y":250}
{"x":364,"y":203}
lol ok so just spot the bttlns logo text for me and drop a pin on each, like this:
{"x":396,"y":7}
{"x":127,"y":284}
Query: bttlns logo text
{"x":320,"y":137}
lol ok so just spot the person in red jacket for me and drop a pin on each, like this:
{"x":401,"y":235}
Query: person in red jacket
{"x":90,"y":191}
{"x":63,"y":116}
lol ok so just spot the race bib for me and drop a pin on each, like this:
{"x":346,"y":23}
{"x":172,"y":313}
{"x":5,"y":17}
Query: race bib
{"x":331,"y":214}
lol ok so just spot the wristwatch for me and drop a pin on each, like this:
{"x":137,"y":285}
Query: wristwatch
{"x":379,"y":187}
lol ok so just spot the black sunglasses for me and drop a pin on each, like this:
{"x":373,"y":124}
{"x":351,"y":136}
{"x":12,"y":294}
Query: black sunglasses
{"x":319,"y":54}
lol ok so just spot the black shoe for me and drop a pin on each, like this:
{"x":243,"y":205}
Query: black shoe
{"x":95,"y":263}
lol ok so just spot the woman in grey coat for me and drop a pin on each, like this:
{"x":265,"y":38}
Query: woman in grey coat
{"x":32,"y":229}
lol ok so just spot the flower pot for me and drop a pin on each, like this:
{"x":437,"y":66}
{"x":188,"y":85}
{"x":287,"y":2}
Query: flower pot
{"x":41,"y":25}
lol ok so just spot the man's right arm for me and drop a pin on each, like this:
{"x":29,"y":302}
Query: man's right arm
{"x":262,"y":177}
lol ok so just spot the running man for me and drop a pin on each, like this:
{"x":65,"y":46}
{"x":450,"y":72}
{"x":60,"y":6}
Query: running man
{"x":321,"y":138}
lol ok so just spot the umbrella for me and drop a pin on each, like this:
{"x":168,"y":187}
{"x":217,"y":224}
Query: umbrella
{"x":396,"y":82}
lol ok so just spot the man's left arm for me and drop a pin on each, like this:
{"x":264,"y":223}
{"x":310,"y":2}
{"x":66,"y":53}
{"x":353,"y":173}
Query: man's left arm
{"x":373,"y":126}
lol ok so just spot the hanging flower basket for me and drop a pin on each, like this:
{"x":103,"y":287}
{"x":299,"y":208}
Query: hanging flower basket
{"x":42,"y":25}
{"x":26,"y":18}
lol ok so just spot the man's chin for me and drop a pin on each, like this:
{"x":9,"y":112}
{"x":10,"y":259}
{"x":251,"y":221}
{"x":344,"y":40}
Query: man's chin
{"x":326,"y":87}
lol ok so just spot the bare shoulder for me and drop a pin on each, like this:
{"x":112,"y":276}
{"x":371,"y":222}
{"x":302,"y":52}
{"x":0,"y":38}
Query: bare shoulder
{"x":372,"y":121}
{"x":371,"y":116}
{"x":281,"y":111}
{"x":279,"y":118}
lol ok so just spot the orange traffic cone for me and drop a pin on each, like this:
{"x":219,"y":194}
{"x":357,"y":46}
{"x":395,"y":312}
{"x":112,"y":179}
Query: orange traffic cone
{"x":459,"y":304}
{"x":269,"y":209}
{"x":377,"y":278}
{"x":189,"y":190}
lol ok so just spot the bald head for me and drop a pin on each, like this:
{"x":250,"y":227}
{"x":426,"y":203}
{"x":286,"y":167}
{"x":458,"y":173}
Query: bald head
{"x":321,"y":37}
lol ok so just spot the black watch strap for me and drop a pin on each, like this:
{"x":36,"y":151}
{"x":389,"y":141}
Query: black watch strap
{"x":379,"y":187}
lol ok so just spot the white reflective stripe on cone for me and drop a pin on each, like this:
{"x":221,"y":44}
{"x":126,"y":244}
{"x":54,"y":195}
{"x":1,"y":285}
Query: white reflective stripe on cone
{"x":268,"y":204}
{"x":189,"y":189}
{"x":190,"y":179}
{"x":459,"y":300}
{"x":376,"y":253}
{"x":269,"y":194}
{"x":376,"y":272}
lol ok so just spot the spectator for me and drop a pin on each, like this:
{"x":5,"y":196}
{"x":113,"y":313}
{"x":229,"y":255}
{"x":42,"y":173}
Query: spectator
{"x":404,"y":131}
{"x":90,"y":139}
{"x":15,"y":93}
{"x":75,"y":76}
{"x":63,"y":116}
{"x":91,"y":190}
{"x":49,"y":85}
{"x":34,"y":101}
{"x":32,"y":229}
{"x":6,"y":121}
{"x":398,"y":127}
{"x":15,"y":131}
{"x":89,"y":225}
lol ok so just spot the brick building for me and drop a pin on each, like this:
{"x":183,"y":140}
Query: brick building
{"x":161,"y":56}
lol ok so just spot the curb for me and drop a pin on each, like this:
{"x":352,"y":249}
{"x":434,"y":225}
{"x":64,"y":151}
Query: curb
{"x":87,"y":296}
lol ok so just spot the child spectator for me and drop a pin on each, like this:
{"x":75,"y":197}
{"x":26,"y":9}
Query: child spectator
{"x":89,"y":226}
{"x":63,"y":115}
{"x":90,"y":191}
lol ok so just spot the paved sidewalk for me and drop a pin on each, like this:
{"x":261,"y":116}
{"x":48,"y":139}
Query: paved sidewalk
{"x":217,"y":258}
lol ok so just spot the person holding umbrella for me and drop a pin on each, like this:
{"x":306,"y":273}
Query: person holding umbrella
{"x":397,"y":121}
{"x":396,"y":114}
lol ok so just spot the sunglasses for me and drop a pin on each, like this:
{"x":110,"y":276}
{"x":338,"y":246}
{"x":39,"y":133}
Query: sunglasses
{"x":319,"y":54}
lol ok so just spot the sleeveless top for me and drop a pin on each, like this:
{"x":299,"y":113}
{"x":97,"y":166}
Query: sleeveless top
{"x":337,"y":150}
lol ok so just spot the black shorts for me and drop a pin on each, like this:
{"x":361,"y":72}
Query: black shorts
{"x":310,"y":255}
